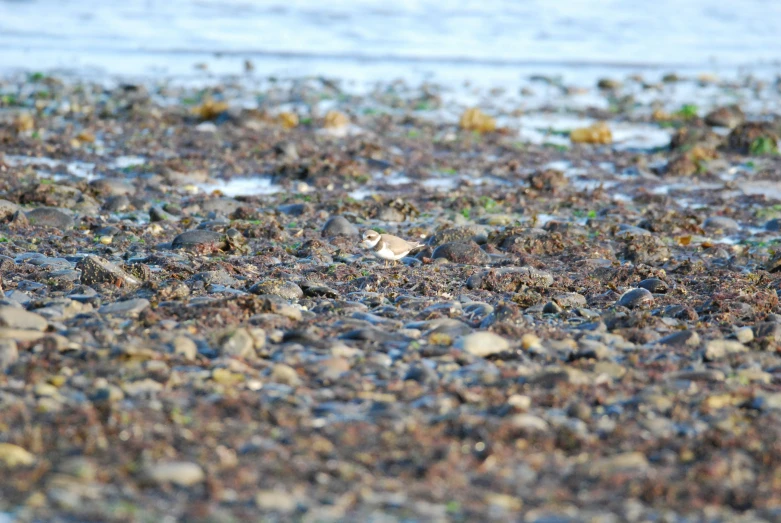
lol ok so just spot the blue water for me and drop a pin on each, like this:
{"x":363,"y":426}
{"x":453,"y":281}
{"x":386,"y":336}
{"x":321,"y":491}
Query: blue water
{"x":371,"y":38}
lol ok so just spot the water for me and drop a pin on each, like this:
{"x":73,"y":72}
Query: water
{"x":376,"y":39}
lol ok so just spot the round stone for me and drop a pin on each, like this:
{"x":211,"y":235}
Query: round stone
{"x":198,"y":238}
{"x":339,"y":226}
{"x":50,"y":217}
{"x":634,"y":298}
{"x":468,"y":253}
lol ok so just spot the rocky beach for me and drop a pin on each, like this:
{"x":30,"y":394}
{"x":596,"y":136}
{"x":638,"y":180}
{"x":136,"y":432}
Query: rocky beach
{"x":190,"y":330}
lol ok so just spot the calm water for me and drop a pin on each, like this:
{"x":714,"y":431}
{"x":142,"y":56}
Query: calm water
{"x":377,"y":38}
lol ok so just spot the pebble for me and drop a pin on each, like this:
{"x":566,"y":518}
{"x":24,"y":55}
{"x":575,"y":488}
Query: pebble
{"x":13,"y":456}
{"x":627,"y":462}
{"x":125,"y":308}
{"x":654,"y":285}
{"x":634,"y":298}
{"x":285,"y":374}
{"x":185,"y":347}
{"x":97,"y":270}
{"x":468,"y":253}
{"x":721,"y":223}
{"x":14,"y":318}
{"x":680,"y":338}
{"x":181,"y":473}
{"x":482,"y":344}
{"x":745,"y":335}
{"x":7,"y":209}
{"x":50,"y":217}
{"x":197,"y":239}
{"x":9,"y":353}
{"x":282,"y":288}
{"x":339,"y":226}
{"x":719,"y":349}
{"x":238,"y":344}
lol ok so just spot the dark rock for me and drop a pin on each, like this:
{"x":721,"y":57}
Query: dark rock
{"x":634,"y":298}
{"x":462,"y":252}
{"x":753,"y":138}
{"x":7,"y":209}
{"x":125,"y":308}
{"x":282,"y":288}
{"x":509,"y":279}
{"x":198,"y":239}
{"x":654,"y":285}
{"x":294,"y":209}
{"x":680,"y":338}
{"x":50,"y":217}
{"x":551,"y":308}
{"x":116,"y":204}
{"x":729,"y":116}
{"x":96,"y":270}
{"x":475,"y":233}
{"x":721,"y":223}
{"x":339,"y":226}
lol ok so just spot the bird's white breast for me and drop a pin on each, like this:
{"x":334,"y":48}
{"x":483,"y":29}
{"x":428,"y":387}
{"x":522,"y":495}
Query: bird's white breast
{"x":386,"y":254}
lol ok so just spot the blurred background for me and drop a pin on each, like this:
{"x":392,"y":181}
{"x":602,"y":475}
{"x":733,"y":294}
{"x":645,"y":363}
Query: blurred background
{"x":367,"y":39}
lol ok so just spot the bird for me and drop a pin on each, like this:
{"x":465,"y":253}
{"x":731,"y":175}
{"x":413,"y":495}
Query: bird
{"x":387,"y":246}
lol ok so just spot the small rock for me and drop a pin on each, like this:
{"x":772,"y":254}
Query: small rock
{"x":185,"y":347}
{"x":14,"y":318}
{"x":181,"y":473}
{"x":654,"y":285}
{"x":285,"y":374}
{"x":634,"y":298}
{"x":721,"y":223}
{"x":13,"y":456}
{"x":127,"y":307}
{"x":482,"y":344}
{"x":628,"y":461}
{"x":529,"y":422}
{"x":7,"y":209}
{"x":745,"y":335}
{"x":339,"y":226}
{"x":50,"y":217}
{"x":96,"y":270}
{"x":9,"y":354}
{"x":275,"y":501}
{"x":718,"y":349}
{"x":238,"y":344}
{"x":462,"y":252}
{"x":680,"y":338}
{"x":198,"y":239}
{"x":282,"y":288}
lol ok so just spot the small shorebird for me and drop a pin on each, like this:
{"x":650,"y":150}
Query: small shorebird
{"x":387,"y":246}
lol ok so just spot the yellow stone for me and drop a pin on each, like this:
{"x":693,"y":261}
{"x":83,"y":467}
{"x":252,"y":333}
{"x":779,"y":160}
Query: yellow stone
{"x":474,"y":119}
{"x":14,"y":456}
{"x":598,"y":133}
{"x":335,"y":119}
{"x":288,"y":120}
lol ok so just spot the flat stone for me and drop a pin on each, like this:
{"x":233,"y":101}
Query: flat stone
{"x":718,"y":349}
{"x":634,"y":298}
{"x":185,"y":347}
{"x":127,"y":307}
{"x":50,"y":217}
{"x":181,"y":473}
{"x":680,"y":338}
{"x":482,"y":344}
{"x":198,"y":239}
{"x":282,"y":288}
{"x":13,"y":456}
{"x":20,"y":335}
{"x":339,"y":226}
{"x":13,"y":318}
{"x":462,"y":252}
{"x":238,"y":343}
{"x":7,"y":209}
{"x":9,"y":353}
{"x":626,"y":462}
{"x":97,"y":270}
